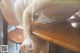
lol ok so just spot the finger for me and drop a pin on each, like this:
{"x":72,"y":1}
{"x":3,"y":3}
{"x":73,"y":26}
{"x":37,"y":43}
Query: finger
{"x":22,"y":49}
{"x":27,"y":49}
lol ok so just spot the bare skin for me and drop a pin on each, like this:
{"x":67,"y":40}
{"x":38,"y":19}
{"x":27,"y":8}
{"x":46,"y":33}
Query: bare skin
{"x":8,"y":4}
{"x":23,"y":13}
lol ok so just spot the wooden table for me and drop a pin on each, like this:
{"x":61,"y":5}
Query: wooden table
{"x":60,"y":33}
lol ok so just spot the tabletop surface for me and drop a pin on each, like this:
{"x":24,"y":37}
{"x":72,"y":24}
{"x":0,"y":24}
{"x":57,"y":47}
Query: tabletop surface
{"x":60,"y":33}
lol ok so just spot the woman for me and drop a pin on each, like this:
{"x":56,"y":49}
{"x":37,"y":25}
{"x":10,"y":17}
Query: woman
{"x":50,"y":9}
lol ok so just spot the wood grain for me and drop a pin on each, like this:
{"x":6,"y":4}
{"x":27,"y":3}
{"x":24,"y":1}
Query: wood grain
{"x":16,"y":35}
{"x":60,"y":33}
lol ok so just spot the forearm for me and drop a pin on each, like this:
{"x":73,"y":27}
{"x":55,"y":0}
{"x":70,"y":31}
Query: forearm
{"x":39,"y":5}
{"x":26,"y":25}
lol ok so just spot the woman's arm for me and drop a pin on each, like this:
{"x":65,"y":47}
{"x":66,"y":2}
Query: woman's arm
{"x":6,"y":7}
{"x":38,"y":5}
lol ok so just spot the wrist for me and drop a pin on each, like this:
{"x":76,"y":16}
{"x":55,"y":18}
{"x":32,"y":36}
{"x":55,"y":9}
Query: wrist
{"x":27,"y":36}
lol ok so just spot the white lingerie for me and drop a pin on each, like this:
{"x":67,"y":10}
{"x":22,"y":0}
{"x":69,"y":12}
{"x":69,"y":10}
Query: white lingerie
{"x":43,"y":19}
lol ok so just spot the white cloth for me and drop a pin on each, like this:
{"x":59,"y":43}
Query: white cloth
{"x":43,"y":19}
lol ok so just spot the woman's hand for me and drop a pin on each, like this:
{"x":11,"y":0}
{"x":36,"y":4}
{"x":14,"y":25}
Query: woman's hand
{"x":32,"y":45}
{"x":26,"y":46}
